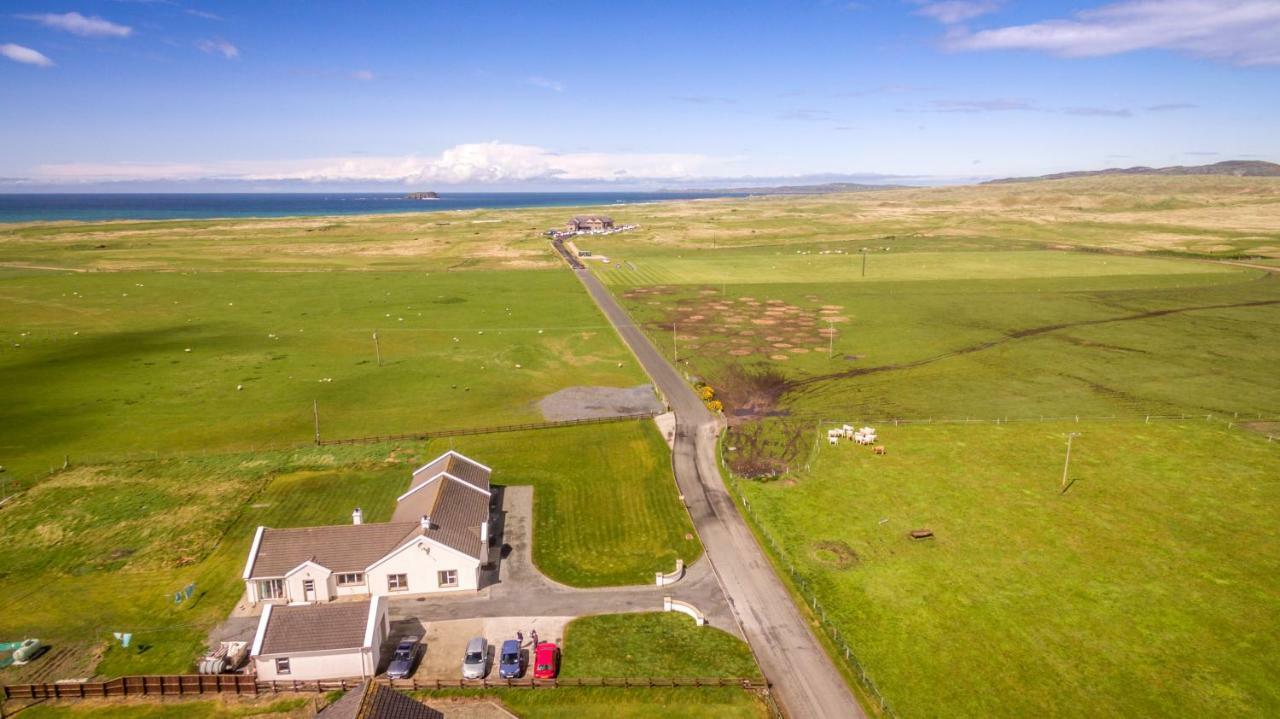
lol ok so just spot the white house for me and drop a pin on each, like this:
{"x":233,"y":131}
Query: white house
{"x":437,"y":541}
{"x":320,"y":641}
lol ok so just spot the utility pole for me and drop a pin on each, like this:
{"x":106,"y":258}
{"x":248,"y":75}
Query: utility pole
{"x":377,"y":347}
{"x":864,"y":262}
{"x":675,"y":346}
{"x":1066,"y":464}
{"x":831,"y":339}
{"x":315,"y":411}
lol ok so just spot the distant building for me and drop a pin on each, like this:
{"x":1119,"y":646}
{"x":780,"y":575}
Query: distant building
{"x":590,"y":223}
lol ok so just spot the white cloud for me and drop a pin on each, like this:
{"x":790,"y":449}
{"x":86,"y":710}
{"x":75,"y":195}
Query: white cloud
{"x":25,"y":55}
{"x":219,"y":46}
{"x":538,"y":81}
{"x":365,"y":75}
{"x":951,"y":12}
{"x":1245,"y":32}
{"x":203,"y":14}
{"x":77,"y":24}
{"x":475,"y":163}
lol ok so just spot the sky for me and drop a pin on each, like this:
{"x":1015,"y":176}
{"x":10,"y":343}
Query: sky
{"x":200,"y":95}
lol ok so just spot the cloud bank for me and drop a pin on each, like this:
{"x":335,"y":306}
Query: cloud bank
{"x":77,"y":24}
{"x":218,"y":46}
{"x":468,"y":164}
{"x":1243,"y":32}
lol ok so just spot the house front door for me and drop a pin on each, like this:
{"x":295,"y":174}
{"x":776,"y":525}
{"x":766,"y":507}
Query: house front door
{"x":308,"y":590}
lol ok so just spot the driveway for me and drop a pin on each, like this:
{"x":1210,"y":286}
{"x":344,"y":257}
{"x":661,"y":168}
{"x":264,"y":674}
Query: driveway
{"x":804,"y":679}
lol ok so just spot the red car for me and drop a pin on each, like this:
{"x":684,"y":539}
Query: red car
{"x":546,"y":661}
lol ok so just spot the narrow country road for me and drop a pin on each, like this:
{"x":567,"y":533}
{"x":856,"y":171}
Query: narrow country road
{"x":806,"y":683}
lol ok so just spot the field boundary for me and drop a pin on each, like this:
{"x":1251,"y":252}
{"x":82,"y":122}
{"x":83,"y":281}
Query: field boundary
{"x":199,"y":684}
{"x":422,"y":436}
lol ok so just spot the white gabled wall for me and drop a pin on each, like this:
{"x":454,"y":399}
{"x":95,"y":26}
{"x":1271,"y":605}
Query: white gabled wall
{"x":322,"y":577}
{"x":422,"y":567}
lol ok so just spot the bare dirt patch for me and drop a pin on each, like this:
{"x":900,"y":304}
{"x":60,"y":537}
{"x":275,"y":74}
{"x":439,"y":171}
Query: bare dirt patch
{"x":834,"y":553}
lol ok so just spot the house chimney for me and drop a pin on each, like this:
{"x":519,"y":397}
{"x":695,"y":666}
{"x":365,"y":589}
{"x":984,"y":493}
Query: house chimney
{"x":426,"y":521}
{"x":357,"y":517}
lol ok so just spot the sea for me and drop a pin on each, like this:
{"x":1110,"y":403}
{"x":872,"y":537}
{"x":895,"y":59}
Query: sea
{"x":174,"y":206}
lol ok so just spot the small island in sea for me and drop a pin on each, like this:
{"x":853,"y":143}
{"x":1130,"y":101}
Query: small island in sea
{"x":422,"y":196}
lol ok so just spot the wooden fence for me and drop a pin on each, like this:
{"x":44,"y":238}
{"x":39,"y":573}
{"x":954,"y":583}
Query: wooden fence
{"x":423,"y":436}
{"x":193,"y":684}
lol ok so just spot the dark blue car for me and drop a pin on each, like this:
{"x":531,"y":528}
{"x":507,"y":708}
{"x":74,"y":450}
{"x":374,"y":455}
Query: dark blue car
{"x":509,"y":665}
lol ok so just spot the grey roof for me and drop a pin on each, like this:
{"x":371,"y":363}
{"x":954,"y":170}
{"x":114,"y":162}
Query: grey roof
{"x":455,"y":464}
{"x":456,"y":513}
{"x":592,"y":218}
{"x":376,"y":701}
{"x":315,"y":627}
{"x":339,"y":548}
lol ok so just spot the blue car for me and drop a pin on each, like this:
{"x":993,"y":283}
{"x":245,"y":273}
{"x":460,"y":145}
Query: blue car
{"x":509,"y":665}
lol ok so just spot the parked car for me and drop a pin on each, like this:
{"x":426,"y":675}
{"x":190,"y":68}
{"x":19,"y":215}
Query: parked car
{"x":404,"y":658}
{"x":546,"y":661}
{"x":509,"y":664}
{"x":475,"y":661}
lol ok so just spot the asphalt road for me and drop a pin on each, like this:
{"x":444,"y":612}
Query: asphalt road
{"x":805,"y":682}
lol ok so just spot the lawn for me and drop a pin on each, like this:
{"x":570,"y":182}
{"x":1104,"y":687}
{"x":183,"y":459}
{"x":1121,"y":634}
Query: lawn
{"x":105,"y":365}
{"x":663,"y":644}
{"x":112,"y":543}
{"x":1148,"y":588}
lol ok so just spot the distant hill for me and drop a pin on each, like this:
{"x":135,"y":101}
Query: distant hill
{"x":826,"y":188}
{"x":1235,"y":168}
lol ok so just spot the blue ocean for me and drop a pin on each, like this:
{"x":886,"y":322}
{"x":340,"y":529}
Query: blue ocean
{"x":164,"y":206}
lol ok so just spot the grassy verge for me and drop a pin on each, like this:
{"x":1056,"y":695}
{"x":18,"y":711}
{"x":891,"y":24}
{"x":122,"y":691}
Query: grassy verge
{"x":231,"y":708}
{"x":610,"y":703}
{"x":653,"y":645}
{"x":1142,"y":589}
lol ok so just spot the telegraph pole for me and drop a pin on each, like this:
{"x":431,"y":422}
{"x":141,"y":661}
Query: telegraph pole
{"x":377,"y":347}
{"x":1066,"y":463}
{"x":675,"y":347}
{"x":864,"y":262}
{"x":831,"y":338}
{"x":315,"y":412}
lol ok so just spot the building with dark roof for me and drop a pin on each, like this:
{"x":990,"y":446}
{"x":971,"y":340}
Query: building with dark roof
{"x":590,"y":223}
{"x":376,"y":701}
{"x":437,"y":540}
{"x":320,"y":641}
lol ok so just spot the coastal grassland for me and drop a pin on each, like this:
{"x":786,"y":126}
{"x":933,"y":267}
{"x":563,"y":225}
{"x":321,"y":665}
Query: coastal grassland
{"x":1147,"y":588}
{"x":1209,"y":216}
{"x":844,"y":263}
{"x":653,"y":645}
{"x":107,"y":364}
{"x":1100,"y":345}
{"x":100,"y":549}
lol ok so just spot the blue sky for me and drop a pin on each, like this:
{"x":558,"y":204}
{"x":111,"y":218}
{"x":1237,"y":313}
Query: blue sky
{"x":192,"y":95}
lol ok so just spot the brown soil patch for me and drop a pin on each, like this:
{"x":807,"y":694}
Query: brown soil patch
{"x":779,"y":357}
{"x":739,"y":352}
{"x":798,"y":350}
{"x":834,"y":553}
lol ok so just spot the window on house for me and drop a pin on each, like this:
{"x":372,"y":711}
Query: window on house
{"x":448,"y":577}
{"x":282,"y":665}
{"x":271,"y":589}
{"x":350,"y":578}
{"x":397,"y":582}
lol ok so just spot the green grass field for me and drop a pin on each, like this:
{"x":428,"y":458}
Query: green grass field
{"x":113,"y":543}
{"x":102,"y":365}
{"x":1147,"y":589}
{"x":843,"y":263}
{"x":653,"y":645}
